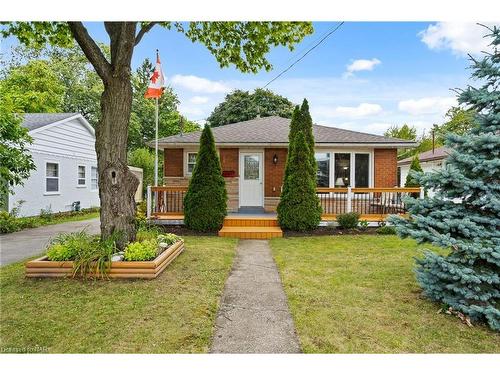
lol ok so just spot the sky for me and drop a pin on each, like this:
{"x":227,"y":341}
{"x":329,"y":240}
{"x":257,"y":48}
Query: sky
{"x":366,"y":76}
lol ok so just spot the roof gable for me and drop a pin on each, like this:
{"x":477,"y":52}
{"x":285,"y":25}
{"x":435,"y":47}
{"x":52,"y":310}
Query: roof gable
{"x":274,"y":130}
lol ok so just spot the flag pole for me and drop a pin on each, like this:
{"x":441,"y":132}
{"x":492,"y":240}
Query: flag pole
{"x":156,"y":143}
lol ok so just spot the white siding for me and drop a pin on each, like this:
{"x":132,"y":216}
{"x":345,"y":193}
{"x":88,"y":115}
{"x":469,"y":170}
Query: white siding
{"x":426,"y":167}
{"x":70,"y":144}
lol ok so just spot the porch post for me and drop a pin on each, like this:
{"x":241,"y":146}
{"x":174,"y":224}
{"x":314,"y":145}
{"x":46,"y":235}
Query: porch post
{"x":148,"y":202}
{"x":349,"y":199}
{"x":422,"y":193}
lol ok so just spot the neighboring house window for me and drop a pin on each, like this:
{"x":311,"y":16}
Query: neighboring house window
{"x":93,"y":178}
{"x":52,"y":177}
{"x":191,"y":161}
{"x":81,"y":175}
{"x":323,"y":171}
{"x":361,"y":170}
{"x":342,"y":170}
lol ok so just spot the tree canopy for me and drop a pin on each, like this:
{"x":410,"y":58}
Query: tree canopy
{"x":33,"y":87}
{"x":242,"y":106}
{"x":403,"y":132}
{"x":15,"y":162}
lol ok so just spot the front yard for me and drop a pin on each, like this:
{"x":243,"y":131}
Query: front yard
{"x":174,"y":313}
{"x":358,"y":294}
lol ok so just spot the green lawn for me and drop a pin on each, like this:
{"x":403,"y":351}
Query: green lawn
{"x":174,"y":313}
{"x":358,"y":294}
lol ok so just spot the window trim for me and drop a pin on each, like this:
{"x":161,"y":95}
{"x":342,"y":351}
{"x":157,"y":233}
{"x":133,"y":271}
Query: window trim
{"x":97,"y":178}
{"x":78,"y":185}
{"x":58,"y":192}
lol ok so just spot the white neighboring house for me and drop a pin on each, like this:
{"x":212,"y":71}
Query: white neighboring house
{"x":63,"y":150}
{"x":429,"y":161}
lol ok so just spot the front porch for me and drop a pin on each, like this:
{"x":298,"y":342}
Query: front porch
{"x":165,"y":206}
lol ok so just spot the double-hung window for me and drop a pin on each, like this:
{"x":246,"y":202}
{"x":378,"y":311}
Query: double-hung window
{"x":93,"y":178}
{"x":51,"y":178}
{"x":191,"y":162}
{"x":82,"y":180}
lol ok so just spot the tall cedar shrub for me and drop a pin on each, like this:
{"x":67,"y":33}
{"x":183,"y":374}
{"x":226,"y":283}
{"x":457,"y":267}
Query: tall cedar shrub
{"x":464,"y":215}
{"x":205,"y":203}
{"x":414,"y":166}
{"x":307,"y":127}
{"x":299,"y":207}
{"x":295,"y":126}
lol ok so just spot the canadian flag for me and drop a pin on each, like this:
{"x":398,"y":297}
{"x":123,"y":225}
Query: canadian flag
{"x":157,"y":81}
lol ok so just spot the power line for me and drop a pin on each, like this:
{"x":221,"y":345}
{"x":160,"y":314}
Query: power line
{"x":305,"y":54}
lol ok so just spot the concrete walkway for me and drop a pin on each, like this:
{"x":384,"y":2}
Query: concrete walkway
{"x":31,"y":242}
{"x":254,"y":315}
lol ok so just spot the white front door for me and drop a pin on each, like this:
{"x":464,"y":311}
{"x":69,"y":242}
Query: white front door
{"x":251,"y":178}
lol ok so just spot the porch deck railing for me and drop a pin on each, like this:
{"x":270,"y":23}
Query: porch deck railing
{"x":376,"y":202}
{"x":165,"y":200}
{"x":369,"y":202}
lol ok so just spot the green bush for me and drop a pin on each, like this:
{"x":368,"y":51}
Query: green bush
{"x":9,"y":223}
{"x":363,"y":224}
{"x":169,"y":238}
{"x":66,"y":246}
{"x":60,"y":252}
{"x":150,"y":233}
{"x":141,"y":251}
{"x":46,"y":214}
{"x":205,"y":203}
{"x":386,"y":230}
{"x":348,"y":220}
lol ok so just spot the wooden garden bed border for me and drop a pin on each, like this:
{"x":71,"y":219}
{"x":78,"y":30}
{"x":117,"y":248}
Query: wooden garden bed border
{"x":42,"y":267}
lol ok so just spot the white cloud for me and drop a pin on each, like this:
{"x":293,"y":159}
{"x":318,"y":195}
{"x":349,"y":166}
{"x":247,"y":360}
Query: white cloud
{"x":362,"y":110}
{"x":361,"y":64}
{"x":429,"y":105}
{"x":460,"y":38}
{"x":199,"y":84}
{"x":189,"y":110}
{"x":199,"y":99}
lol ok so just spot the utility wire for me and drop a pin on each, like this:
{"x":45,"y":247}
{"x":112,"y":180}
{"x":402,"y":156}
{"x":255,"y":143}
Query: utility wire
{"x":305,"y":54}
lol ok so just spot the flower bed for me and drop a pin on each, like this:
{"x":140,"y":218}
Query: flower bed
{"x":143,"y":259}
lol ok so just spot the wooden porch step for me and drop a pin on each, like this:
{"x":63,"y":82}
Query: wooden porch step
{"x":256,"y":233}
{"x":253,"y":221}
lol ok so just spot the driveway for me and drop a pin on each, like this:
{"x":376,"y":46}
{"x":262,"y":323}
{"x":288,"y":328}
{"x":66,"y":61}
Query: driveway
{"x":31,"y":242}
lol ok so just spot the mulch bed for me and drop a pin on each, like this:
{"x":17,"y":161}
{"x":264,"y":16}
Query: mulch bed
{"x":181,"y":230}
{"x":330,"y":231}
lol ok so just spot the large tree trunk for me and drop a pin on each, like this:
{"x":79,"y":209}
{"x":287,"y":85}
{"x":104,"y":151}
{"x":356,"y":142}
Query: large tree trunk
{"x":117,"y":185}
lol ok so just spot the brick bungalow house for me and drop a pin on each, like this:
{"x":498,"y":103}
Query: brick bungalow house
{"x":253,"y":155}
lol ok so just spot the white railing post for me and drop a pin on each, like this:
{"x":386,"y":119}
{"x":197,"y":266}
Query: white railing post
{"x":148,"y":202}
{"x":422,"y":193}
{"x":349,"y":199}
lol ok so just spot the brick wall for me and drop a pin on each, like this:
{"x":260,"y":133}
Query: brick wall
{"x":273,"y":173}
{"x":173,"y":163}
{"x":386,"y":167}
{"x":229,"y":159}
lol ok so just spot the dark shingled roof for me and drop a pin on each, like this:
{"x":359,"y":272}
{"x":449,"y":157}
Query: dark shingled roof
{"x":438,"y":154}
{"x":34,"y":121}
{"x":275,"y":129}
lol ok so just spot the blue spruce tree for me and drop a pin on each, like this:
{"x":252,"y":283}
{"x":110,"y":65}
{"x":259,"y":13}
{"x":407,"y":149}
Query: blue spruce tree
{"x":464,"y":215}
